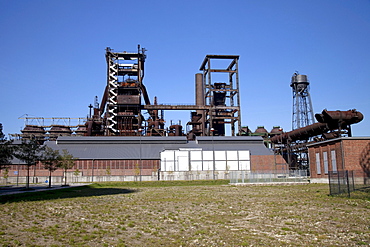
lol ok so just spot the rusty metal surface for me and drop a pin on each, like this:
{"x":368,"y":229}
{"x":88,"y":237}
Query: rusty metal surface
{"x":199,"y":90}
{"x":301,"y":134}
{"x":203,"y":66}
{"x":328,"y":121}
{"x":33,"y":129}
{"x":276,"y":130}
{"x":122,"y":97}
{"x":350,"y":116}
{"x":81,"y":130}
{"x":216,"y":93}
{"x":188,"y":107}
{"x":60,"y":130}
{"x":260,"y":129}
{"x":175,"y":130}
{"x":128,"y":99}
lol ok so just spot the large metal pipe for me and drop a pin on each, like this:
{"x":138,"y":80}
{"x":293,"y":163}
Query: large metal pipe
{"x":328,"y":120}
{"x":350,"y":116}
{"x":103,"y":100}
{"x":301,"y":133}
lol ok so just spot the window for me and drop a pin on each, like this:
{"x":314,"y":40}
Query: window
{"x":326,"y":167}
{"x":318,"y":166}
{"x":333,"y":161}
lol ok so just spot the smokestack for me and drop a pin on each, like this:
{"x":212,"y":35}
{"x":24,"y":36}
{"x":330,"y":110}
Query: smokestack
{"x":199,"y":89}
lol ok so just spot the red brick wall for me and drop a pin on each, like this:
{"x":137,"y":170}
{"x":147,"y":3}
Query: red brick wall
{"x":352,"y":152}
{"x":100,"y":168}
{"x":348,"y":152}
{"x":268,"y":163}
{"x":312,"y":159}
{"x":325,"y":147}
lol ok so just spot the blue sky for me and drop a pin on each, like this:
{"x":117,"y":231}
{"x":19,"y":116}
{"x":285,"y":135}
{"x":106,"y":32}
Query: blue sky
{"x":52,"y":54}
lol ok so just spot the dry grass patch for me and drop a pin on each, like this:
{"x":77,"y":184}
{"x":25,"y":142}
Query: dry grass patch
{"x":184,"y":214}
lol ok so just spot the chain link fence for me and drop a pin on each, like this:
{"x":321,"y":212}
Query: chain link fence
{"x":287,"y":176}
{"x":345,"y":182}
{"x":341,"y":182}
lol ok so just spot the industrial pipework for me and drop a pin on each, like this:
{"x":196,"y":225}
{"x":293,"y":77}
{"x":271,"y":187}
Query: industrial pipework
{"x":217,"y":103}
{"x":331,"y":124}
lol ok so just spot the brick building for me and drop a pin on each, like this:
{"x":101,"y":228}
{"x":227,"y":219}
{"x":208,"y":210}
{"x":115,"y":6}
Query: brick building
{"x":115,"y":158}
{"x":345,"y":153}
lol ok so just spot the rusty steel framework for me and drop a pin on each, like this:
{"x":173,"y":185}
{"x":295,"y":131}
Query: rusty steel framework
{"x":331,"y":124}
{"x":222,"y":98}
{"x":43,"y":128}
{"x":122,"y":99}
{"x":119,"y":113}
{"x":217,"y":103}
{"x":302,"y":116}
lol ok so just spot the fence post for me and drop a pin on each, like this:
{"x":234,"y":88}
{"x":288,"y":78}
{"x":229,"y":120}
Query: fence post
{"x":348,"y":186}
{"x":339,"y":190}
{"x":353,"y":181}
{"x":330,"y":183}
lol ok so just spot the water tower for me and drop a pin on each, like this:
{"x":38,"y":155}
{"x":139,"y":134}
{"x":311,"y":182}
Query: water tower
{"x":302,"y":117}
{"x":302,"y":105}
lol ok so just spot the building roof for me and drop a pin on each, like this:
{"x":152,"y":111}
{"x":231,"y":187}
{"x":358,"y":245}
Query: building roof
{"x":109,"y":147}
{"x":338,"y":140}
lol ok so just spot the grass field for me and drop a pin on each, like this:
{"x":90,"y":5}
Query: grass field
{"x":179,"y":213}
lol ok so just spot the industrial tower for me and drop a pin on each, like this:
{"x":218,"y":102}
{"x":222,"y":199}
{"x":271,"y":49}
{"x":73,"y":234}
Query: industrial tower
{"x":222,"y":98}
{"x":302,"y":117}
{"x":330,"y":124}
{"x":302,"y":105}
{"x":122,"y":98}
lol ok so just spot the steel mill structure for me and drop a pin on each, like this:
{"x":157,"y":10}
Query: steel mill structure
{"x":119,"y":118}
{"x":331,"y":125}
{"x":217,"y":104}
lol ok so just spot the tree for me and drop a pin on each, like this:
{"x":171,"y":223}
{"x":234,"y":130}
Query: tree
{"x":6,"y":150}
{"x":30,"y":151}
{"x":6,"y":175}
{"x":2,"y":136}
{"x":6,"y":154}
{"x":67,"y":161}
{"x":76,"y":173}
{"x":51,"y":159}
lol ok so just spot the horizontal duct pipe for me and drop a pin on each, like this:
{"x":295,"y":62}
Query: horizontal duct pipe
{"x":327,"y":120}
